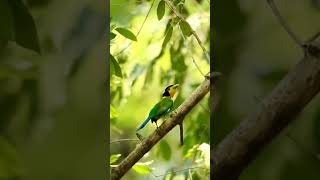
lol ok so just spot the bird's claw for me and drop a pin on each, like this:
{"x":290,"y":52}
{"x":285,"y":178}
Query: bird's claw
{"x":139,"y":136}
{"x":157,"y":130}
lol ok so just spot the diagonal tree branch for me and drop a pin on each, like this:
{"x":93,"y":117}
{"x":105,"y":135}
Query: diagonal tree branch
{"x":276,"y":111}
{"x":174,"y":119}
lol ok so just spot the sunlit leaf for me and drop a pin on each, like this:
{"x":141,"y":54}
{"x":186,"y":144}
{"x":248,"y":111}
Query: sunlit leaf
{"x":191,"y":152}
{"x":113,"y":112}
{"x":168,"y":37}
{"x":204,"y":148}
{"x":126,"y":33}
{"x":185,"y":28}
{"x":161,"y":9}
{"x":114,"y":158}
{"x":143,"y":168}
{"x":116,"y":66}
{"x":112,"y":35}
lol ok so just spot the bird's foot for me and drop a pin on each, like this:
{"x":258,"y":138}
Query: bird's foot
{"x":157,"y":130}
{"x":139,"y":136}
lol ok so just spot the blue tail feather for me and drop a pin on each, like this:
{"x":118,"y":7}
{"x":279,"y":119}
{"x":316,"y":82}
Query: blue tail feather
{"x":144,"y":123}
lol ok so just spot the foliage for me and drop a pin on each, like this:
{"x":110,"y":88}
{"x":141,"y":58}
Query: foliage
{"x":51,"y":104}
{"x":143,"y":168}
{"x":254,"y":53}
{"x":114,"y":158}
{"x":160,"y":56}
{"x":18,"y":25}
{"x":126,"y":33}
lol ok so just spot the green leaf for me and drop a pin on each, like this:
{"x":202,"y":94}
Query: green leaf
{"x":126,"y":33}
{"x":116,"y":67}
{"x":114,"y":158}
{"x":113,"y":112}
{"x":6,"y":20}
{"x":179,"y":6}
{"x":165,"y":150}
{"x":185,"y":28}
{"x":168,"y":37}
{"x":25,"y":33}
{"x":192,"y":151}
{"x":143,"y":168}
{"x":112,"y":35}
{"x":161,"y":9}
{"x":175,"y":21}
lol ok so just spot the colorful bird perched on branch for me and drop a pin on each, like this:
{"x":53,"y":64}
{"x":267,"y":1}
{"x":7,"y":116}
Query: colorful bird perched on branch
{"x":163,"y":107}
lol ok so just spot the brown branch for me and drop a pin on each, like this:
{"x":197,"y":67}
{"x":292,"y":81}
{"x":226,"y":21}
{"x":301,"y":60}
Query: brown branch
{"x":175,"y":118}
{"x":277,"y":110}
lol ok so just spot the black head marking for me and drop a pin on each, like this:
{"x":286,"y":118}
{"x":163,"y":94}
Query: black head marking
{"x":166,"y":91}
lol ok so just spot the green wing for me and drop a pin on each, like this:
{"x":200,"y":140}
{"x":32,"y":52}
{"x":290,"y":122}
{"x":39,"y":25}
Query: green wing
{"x":161,"y":108}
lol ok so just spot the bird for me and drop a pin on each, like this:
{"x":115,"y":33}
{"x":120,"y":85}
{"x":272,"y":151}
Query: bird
{"x":163,"y":107}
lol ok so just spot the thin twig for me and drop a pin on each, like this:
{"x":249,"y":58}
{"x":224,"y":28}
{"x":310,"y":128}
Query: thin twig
{"x":186,"y":169}
{"x":171,"y":6}
{"x":122,"y":140}
{"x":124,"y":4}
{"x":190,"y":54}
{"x":193,"y":60}
{"x":283,"y":23}
{"x":144,"y":21}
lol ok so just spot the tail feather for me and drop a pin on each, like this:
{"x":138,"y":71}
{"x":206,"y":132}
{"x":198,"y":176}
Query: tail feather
{"x":144,"y":123}
{"x":181,"y":134}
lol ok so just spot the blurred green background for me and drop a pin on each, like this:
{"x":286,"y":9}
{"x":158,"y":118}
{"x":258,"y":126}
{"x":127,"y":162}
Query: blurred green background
{"x":253,"y":52}
{"x":140,"y":72}
{"x":52,"y":105}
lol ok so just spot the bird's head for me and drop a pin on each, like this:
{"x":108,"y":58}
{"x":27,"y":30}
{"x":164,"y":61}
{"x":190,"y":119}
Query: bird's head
{"x":170,"y":91}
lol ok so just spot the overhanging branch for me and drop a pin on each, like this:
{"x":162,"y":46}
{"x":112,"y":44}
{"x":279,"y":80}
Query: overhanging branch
{"x":174,"y":119}
{"x":274,"y":113}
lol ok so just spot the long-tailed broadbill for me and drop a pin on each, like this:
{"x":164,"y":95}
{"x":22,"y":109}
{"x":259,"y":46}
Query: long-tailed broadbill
{"x":163,"y":107}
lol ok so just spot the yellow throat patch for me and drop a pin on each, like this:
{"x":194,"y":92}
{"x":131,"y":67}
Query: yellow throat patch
{"x":172,"y":92}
